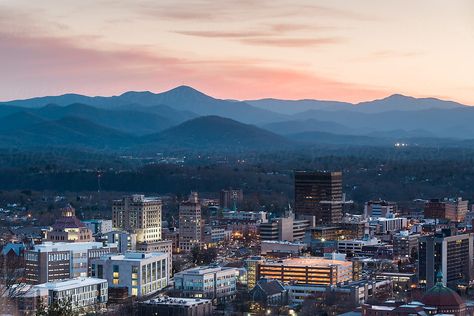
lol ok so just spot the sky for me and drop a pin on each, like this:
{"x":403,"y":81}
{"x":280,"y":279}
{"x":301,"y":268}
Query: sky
{"x":347,"y":50}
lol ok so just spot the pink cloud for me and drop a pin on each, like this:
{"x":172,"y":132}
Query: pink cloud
{"x":34,"y":66}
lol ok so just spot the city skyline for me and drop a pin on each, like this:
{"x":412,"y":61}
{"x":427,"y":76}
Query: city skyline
{"x":334,"y":50}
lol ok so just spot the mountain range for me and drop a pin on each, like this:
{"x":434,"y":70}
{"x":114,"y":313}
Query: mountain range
{"x":184,"y":118}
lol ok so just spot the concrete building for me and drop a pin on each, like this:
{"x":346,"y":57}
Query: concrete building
{"x":405,"y":244}
{"x":356,"y":292}
{"x":125,"y":241}
{"x":190,"y":223}
{"x":85,"y":294}
{"x":230,"y":198}
{"x":68,"y":228}
{"x":165,"y":246}
{"x":384,"y":225}
{"x":448,"y":254}
{"x":380,"y":208}
{"x":139,"y":215}
{"x":261,"y":216}
{"x":284,"y":229}
{"x":175,"y":306}
{"x":49,"y":262}
{"x":210,"y":282}
{"x":141,"y":273}
{"x":318,"y":195}
{"x":99,"y":226}
{"x":276,"y":248}
{"x":307,"y":270}
{"x":251,"y":265}
{"x":213,"y":234}
{"x":355,"y":246}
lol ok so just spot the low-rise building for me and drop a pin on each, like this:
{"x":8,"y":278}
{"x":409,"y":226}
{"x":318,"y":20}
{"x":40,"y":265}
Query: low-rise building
{"x":84,"y":294}
{"x":99,"y":226}
{"x":165,"y":246}
{"x":405,"y":244}
{"x":273,"y":247}
{"x":355,"y":246}
{"x":211,"y":282}
{"x":52,"y":261}
{"x":175,"y":306}
{"x":307,"y":270}
{"x":141,"y":273}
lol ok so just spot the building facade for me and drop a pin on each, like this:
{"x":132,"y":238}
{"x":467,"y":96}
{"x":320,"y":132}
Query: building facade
{"x":141,"y":273}
{"x":50,"y":262}
{"x":215,"y":283}
{"x":140,"y":215}
{"x":319,"y":195}
{"x":190,"y":223}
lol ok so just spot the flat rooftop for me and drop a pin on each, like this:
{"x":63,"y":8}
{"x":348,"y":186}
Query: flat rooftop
{"x":166,"y":300}
{"x":204,"y":270}
{"x":70,"y":284}
{"x":49,"y":246}
{"x":309,"y":262}
{"x":134,"y":256}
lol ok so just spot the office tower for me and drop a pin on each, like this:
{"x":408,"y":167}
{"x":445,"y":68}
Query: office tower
{"x":190,"y":223}
{"x":380,"y":208}
{"x":405,"y":245}
{"x":448,"y":254}
{"x":141,"y":273}
{"x":68,"y":228}
{"x":440,"y":209}
{"x":318,"y":195}
{"x":230,"y":198}
{"x":139,"y":215}
{"x":49,"y":262}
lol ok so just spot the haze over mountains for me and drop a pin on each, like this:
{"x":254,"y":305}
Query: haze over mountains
{"x":185,"y":118}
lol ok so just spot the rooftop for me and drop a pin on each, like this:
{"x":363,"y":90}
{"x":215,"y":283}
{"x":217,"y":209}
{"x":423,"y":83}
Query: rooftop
{"x":70,"y":284}
{"x":134,"y":256}
{"x":310,"y":262}
{"x":205,"y":269}
{"x":166,"y":300}
{"x":49,"y":246}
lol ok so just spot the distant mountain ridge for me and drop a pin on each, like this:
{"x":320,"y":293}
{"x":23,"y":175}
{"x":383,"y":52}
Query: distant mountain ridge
{"x":185,"y":118}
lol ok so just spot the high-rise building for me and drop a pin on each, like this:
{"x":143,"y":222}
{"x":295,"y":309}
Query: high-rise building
{"x":319,"y":195}
{"x":140,"y":215}
{"x":405,"y":244}
{"x":190,"y":223}
{"x":440,"y":209}
{"x":452,"y":255}
{"x":230,"y":198}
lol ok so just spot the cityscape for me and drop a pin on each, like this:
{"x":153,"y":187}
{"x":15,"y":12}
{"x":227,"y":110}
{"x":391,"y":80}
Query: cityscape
{"x":236,"y":158}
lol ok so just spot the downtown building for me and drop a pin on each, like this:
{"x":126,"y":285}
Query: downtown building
{"x":139,"y":215}
{"x":51,"y":262}
{"x":450,"y":255}
{"x":318,"y":196}
{"x":141,"y":274}
{"x":210,"y":282}
{"x":190,"y":223}
{"x":284,"y":229}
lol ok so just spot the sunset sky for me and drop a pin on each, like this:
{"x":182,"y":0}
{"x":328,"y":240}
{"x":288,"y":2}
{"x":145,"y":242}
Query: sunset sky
{"x":350,"y":50}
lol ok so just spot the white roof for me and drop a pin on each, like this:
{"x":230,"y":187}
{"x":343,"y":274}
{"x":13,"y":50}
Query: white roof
{"x":49,"y":246}
{"x":165,"y":300}
{"x":70,"y":284}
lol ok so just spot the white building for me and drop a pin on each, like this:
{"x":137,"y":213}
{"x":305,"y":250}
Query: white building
{"x":83,"y":293}
{"x":261,"y":217}
{"x":355,"y":245}
{"x":216,"y":283}
{"x":268,"y":247}
{"x":141,"y":273}
{"x":384,"y":225}
{"x":99,"y":226}
{"x":54,"y":261}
